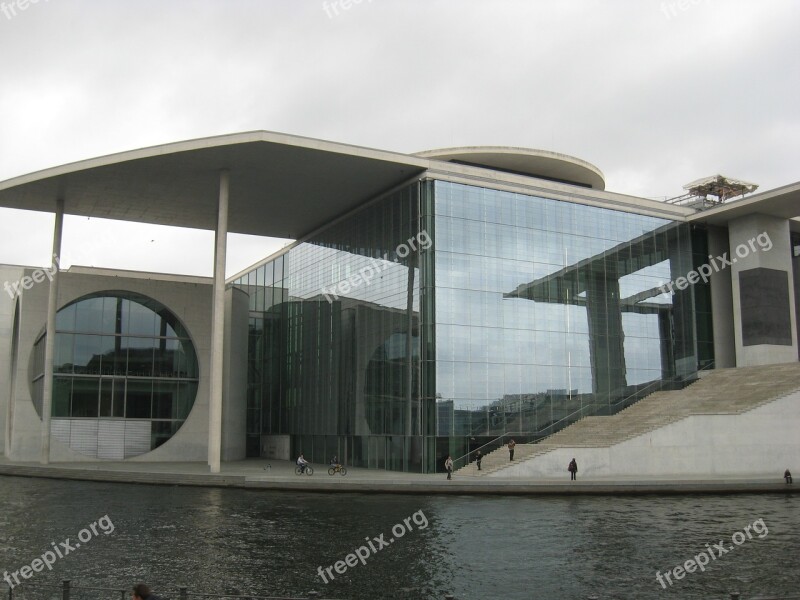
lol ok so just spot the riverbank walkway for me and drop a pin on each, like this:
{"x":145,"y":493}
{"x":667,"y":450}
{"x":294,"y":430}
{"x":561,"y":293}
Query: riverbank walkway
{"x":264,"y":474}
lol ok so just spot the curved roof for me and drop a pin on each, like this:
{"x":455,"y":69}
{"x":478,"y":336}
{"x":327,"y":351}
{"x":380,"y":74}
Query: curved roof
{"x":524,"y":161}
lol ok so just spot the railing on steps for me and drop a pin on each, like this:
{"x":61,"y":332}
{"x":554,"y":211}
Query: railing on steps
{"x":592,"y":409}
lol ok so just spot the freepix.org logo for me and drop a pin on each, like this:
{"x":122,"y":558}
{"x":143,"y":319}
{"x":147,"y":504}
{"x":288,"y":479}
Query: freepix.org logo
{"x":704,"y":272}
{"x":10,"y":9}
{"x":60,"y":550}
{"x":365,"y":275}
{"x":712,"y":552}
{"x":15,"y":289}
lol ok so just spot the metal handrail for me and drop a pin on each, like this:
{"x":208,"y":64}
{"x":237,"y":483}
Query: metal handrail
{"x":539,"y":435}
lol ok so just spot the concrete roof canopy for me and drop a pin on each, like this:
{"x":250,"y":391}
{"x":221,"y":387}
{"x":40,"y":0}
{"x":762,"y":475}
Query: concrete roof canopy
{"x":281,"y":185}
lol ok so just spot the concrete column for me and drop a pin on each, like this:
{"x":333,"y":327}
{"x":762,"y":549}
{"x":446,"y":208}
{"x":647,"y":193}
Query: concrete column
{"x":218,"y":328}
{"x":721,"y":302}
{"x":765,"y":325}
{"x":50,"y":339}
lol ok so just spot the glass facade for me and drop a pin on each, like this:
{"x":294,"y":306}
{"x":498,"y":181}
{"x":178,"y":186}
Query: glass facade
{"x":335,"y":342}
{"x":548,"y":311}
{"x":121,"y":359}
{"x":445,"y":315}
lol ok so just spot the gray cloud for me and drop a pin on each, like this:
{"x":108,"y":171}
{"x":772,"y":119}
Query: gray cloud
{"x":655,"y":97}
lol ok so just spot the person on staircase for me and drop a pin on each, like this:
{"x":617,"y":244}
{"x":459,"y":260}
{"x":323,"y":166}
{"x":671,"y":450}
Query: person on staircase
{"x":511,"y":445}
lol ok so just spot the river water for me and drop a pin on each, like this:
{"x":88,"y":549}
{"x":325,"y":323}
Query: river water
{"x":272,"y":543}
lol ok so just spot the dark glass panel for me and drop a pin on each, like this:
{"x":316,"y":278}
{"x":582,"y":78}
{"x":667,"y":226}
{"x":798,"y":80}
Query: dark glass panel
{"x":62,"y":392}
{"x":85,"y":397}
{"x":138,"y":399}
{"x":140,"y":355}
{"x":62,"y":361}
{"x":87,"y":354}
{"x":165,"y":400}
{"x":65,"y":318}
{"x":106,"y":397}
{"x":89,"y":315}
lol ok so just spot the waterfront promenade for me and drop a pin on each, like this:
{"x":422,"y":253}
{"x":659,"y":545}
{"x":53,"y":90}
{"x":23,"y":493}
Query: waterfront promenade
{"x":251,"y":474}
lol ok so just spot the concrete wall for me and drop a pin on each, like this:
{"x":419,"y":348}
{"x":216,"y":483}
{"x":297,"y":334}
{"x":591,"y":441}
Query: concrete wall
{"x":234,"y":395}
{"x":188,"y":298}
{"x":768,"y":318}
{"x":276,"y":446}
{"x":8,"y":275}
{"x":762,"y":442}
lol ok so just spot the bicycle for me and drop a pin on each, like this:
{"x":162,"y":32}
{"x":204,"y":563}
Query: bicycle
{"x":299,"y":471}
{"x":342,"y":470}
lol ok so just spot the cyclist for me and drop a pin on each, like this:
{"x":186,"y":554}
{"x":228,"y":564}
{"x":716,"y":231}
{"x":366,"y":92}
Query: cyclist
{"x":302,"y":463}
{"x":335,"y":462}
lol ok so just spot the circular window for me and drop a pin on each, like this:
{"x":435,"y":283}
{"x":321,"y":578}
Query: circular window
{"x":125,"y":375}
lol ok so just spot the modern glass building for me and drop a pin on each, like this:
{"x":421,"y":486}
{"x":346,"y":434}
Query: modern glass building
{"x":433,"y":303}
{"x":518,"y":315}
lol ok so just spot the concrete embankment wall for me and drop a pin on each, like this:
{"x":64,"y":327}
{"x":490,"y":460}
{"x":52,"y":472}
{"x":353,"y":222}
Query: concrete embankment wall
{"x":762,"y":442}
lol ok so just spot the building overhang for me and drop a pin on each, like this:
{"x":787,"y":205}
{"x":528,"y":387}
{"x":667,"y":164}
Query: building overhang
{"x":281,"y":185}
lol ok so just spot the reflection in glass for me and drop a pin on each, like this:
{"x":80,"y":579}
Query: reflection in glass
{"x":119,"y":356}
{"x":525,"y":314}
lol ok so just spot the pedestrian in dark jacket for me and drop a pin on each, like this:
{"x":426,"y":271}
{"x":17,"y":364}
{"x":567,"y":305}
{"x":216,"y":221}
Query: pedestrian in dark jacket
{"x":787,"y":476}
{"x":573,"y":470}
{"x":448,"y":465}
{"x":478,"y":459}
{"x":142,"y":592}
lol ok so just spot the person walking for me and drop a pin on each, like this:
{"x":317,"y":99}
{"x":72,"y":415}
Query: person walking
{"x":142,"y":592}
{"x":786,"y":475}
{"x":511,"y":445}
{"x":448,"y":465}
{"x":573,"y":470}
{"x":478,"y":459}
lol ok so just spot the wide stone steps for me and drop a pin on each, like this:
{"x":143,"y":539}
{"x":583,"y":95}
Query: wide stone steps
{"x":722,"y":391}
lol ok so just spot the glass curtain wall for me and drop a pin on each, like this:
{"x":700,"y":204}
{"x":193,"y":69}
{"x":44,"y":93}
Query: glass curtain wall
{"x":125,"y":375}
{"x":334,"y":347}
{"x":546,"y":311}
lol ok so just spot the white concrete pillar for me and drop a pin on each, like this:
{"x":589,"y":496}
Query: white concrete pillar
{"x":218,"y":328}
{"x":50,"y":339}
{"x":763,"y":290}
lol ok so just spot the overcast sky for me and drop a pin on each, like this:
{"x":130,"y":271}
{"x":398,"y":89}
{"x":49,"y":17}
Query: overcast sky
{"x":655,"y":94}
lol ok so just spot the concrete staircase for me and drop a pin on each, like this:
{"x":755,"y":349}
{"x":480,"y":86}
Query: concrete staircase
{"x":719,"y":392}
